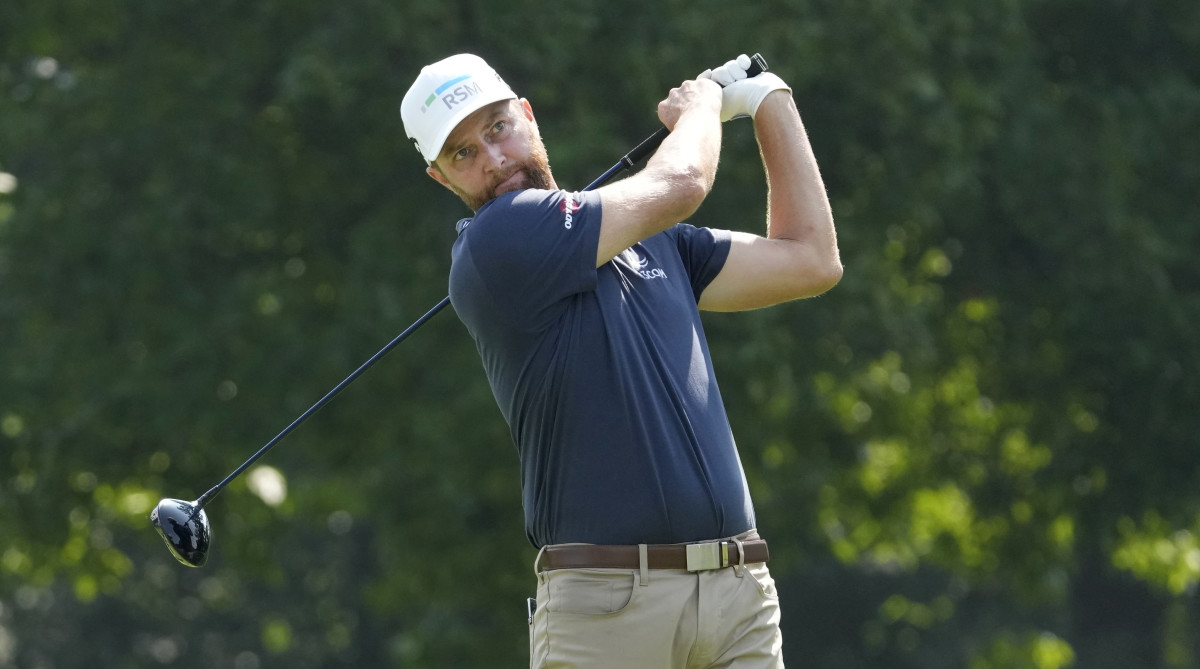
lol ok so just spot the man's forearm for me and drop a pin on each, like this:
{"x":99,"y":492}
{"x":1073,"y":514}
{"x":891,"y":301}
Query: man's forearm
{"x":675,"y":180}
{"x":691,"y":151}
{"x":797,"y":204}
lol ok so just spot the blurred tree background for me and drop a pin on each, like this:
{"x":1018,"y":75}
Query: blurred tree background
{"x":978,"y":451}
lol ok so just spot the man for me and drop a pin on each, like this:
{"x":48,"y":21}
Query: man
{"x":585,"y":310}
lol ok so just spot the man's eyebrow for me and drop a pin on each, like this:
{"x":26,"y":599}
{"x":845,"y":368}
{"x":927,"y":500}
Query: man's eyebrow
{"x":491,"y":118}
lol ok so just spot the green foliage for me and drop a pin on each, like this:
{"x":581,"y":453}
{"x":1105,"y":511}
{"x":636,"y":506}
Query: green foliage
{"x":978,"y":450}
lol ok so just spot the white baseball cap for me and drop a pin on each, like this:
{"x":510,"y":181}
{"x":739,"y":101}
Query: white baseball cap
{"x":444,"y":94}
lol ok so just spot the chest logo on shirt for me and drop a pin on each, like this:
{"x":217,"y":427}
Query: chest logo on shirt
{"x":568,"y":206}
{"x":638,"y":264}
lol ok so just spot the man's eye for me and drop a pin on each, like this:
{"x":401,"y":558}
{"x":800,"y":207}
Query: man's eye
{"x":462,"y":154}
{"x":499,"y":127}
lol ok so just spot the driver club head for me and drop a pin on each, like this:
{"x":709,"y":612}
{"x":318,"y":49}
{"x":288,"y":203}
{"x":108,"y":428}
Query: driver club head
{"x":184,"y":528}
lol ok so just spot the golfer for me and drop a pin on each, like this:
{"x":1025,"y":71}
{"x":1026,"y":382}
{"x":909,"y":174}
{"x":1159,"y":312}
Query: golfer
{"x":584,"y":307}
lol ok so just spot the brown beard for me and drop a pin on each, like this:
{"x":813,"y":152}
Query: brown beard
{"x":536,"y":171}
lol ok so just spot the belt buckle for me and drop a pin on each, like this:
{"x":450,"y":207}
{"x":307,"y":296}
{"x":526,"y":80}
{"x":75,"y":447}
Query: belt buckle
{"x":707,"y":556}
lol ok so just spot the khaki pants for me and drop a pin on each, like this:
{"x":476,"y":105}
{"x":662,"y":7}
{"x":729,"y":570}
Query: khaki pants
{"x":668,"y":619}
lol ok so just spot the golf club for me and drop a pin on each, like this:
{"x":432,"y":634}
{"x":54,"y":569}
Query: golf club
{"x":184,"y":525}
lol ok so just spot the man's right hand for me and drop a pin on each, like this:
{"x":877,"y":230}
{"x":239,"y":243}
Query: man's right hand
{"x":692,"y":94}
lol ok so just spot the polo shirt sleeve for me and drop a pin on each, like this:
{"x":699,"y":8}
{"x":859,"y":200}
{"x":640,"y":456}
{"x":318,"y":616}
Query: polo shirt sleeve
{"x":531,"y":250}
{"x":703,"y":251}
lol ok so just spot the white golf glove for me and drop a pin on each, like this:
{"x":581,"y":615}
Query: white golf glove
{"x":742,"y":96}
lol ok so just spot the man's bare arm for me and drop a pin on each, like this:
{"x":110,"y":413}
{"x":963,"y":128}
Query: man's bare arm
{"x":798,"y":257}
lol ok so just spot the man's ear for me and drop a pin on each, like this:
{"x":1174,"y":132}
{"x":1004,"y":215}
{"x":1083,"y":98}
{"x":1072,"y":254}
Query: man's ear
{"x":528,"y":109}
{"x":437,"y":176}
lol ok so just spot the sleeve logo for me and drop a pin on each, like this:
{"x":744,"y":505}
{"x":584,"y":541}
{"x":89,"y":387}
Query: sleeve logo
{"x":569,"y":206}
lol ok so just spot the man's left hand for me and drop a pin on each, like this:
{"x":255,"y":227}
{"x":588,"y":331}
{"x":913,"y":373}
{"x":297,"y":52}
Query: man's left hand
{"x":741,"y":95}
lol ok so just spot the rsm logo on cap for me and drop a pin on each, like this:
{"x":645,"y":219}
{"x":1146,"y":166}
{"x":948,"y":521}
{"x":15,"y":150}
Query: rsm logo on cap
{"x":457,"y":95}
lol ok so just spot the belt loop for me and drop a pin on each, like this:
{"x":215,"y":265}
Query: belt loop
{"x":644,"y":563}
{"x":737,"y":569}
{"x":537,"y":572}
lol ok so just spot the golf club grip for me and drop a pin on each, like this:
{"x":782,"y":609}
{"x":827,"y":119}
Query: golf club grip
{"x":758,"y":65}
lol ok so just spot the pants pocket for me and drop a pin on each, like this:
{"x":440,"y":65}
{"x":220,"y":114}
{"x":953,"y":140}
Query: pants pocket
{"x":762,"y":576}
{"x":590,"y":591}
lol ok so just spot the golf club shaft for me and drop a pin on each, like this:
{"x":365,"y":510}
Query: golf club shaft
{"x":321,"y":402}
{"x":645,"y":148}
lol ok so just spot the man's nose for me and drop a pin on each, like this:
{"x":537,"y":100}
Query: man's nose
{"x":495,"y":156}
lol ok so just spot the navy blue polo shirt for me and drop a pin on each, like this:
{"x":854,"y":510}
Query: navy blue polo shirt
{"x":603,"y":374}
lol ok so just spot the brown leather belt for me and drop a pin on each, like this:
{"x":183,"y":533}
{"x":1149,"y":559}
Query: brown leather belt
{"x":692,"y":557}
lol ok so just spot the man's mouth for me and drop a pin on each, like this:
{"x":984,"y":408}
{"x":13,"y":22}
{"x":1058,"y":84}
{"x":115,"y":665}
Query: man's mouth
{"x":514,"y":181}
